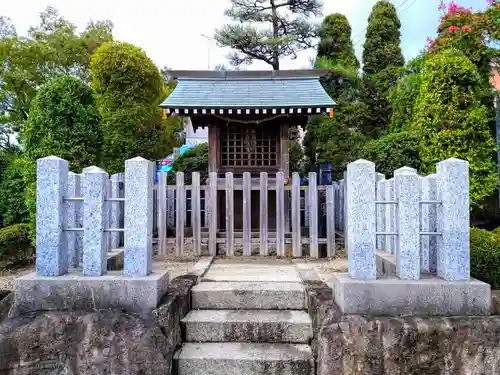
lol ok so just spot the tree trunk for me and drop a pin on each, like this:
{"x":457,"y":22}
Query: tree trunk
{"x":276,"y":57}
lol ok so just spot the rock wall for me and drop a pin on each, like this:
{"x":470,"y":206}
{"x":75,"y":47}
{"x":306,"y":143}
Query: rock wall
{"x":362,"y":345}
{"x":96,"y":342}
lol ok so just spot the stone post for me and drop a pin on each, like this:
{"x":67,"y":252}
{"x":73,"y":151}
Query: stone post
{"x":79,"y":222}
{"x":380,"y":208}
{"x":341,"y":206}
{"x":115,"y":211}
{"x":138,"y":256}
{"x":361,"y":220}
{"x":51,"y":186}
{"x":95,"y":248}
{"x":428,"y":252}
{"x":381,"y":214}
{"x":453,"y":261}
{"x":407,"y":188}
{"x":72,"y":209}
{"x":390,"y":217}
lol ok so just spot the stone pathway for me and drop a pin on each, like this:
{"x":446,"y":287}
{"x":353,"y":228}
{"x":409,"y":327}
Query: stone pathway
{"x":248,"y":318}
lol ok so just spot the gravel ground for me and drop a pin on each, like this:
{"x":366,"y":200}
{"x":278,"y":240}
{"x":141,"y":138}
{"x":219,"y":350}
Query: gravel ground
{"x":175,"y":266}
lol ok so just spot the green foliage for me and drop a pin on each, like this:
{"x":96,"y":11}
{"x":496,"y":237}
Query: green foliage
{"x":296,"y":155}
{"x":266,"y":30}
{"x":403,"y":96}
{"x":485,"y":256}
{"x":329,"y":140}
{"x":63,"y":121}
{"x":128,"y":89}
{"x":193,"y":160}
{"x":50,"y":49}
{"x":12,"y":206}
{"x":382,"y":59}
{"x":452,"y":122}
{"x":15,"y":247}
{"x":335,"y":41}
{"x":382,"y":46}
{"x":393,"y":151}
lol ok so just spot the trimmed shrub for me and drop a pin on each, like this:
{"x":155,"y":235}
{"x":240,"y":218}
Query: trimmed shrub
{"x":129,"y":88}
{"x":393,"y":151}
{"x":485,"y":256}
{"x":193,"y":160}
{"x":15,"y":246}
{"x":452,"y":122}
{"x":63,"y":121}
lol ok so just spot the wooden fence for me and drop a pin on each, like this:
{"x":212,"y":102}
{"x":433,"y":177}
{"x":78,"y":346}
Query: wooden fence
{"x":189,"y":213}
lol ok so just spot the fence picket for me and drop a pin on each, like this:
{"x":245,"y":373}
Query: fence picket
{"x":180,"y":213}
{"x":313,"y":215}
{"x":263,"y":213}
{"x":330,"y":220}
{"x":196,"y":212}
{"x":247,"y":214}
{"x":296,"y":240}
{"x":212,"y":201}
{"x":280,"y":214}
{"x":229,"y":214}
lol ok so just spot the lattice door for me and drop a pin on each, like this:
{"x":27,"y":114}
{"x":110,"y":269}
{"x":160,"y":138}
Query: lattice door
{"x":249,"y":146}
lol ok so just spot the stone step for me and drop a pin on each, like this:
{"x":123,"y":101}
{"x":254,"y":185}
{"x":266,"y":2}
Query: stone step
{"x":244,"y":359}
{"x":248,"y":296}
{"x":272,"y":326}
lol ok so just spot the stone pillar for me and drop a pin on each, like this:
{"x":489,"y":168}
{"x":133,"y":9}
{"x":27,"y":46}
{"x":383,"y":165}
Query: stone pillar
{"x":361,"y":220}
{"x":453,"y":261}
{"x":390,"y":217}
{"x":72,"y":209}
{"x":336,"y":204}
{"x":428,"y":244}
{"x":138,"y":256}
{"x":95,"y":249}
{"x":341,"y":206}
{"x":51,"y":186}
{"x":407,"y":187}
{"x":115,"y":211}
{"x":381,"y":214}
{"x":379,"y":208}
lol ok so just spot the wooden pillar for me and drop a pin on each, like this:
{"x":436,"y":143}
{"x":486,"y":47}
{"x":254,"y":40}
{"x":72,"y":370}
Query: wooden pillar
{"x":285,"y":167}
{"x":213,"y":147}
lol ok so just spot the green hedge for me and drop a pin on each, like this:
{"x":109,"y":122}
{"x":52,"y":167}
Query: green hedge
{"x":393,"y":151}
{"x":15,"y":246}
{"x":485,"y":256}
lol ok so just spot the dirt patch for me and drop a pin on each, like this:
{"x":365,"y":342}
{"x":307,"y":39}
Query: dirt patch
{"x":7,"y":277}
{"x":175,"y":266}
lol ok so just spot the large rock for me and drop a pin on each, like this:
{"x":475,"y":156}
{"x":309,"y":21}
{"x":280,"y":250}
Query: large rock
{"x":174,"y":306}
{"x":82,"y":343}
{"x":357,"y":345}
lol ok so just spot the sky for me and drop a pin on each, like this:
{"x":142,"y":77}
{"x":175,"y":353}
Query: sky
{"x":177,"y":33}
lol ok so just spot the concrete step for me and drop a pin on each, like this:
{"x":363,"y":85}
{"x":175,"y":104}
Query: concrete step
{"x":272,"y":326}
{"x":248,"y":296}
{"x":244,"y":359}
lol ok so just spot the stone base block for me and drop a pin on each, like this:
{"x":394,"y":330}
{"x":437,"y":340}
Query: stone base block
{"x":116,"y":259}
{"x":386,"y":264}
{"x":428,"y":296}
{"x":74,"y":291}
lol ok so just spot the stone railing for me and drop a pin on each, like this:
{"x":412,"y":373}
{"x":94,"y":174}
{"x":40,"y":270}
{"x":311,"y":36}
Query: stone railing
{"x":423,"y":221}
{"x":77,"y":224}
{"x":416,"y":230}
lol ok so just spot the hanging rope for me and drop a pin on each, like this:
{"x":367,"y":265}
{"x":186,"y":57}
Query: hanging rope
{"x":229,"y":119}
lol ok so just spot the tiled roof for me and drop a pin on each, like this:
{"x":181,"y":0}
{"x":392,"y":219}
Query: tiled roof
{"x":281,"y":92}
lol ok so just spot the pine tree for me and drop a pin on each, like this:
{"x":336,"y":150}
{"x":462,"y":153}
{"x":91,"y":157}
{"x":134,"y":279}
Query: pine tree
{"x":289,"y":30}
